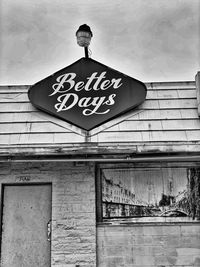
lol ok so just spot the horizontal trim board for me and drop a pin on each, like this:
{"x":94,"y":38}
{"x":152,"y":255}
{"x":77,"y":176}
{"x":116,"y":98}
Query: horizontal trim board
{"x":43,"y":131}
{"x":113,"y":160}
{"x":116,"y":146}
{"x":94,"y":149}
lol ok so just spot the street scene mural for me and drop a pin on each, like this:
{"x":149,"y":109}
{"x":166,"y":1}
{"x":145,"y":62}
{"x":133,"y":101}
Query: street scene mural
{"x":153,"y":192}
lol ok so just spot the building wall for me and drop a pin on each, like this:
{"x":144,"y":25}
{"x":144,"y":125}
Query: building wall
{"x":176,"y":245}
{"x":167,"y":122}
{"x":76,"y":241}
{"x":73,"y":207}
{"x":156,"y":124}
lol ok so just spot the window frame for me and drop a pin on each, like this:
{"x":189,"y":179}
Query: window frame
{"x":135,"y":220}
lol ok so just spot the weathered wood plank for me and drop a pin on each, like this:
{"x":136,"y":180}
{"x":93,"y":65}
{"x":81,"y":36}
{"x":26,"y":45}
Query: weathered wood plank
{"x":16,"y":107}
{"x":36,"y":139}
{"x":167,"y":114}
{"x":157,"y":114}
{"x":170,"y":94}
{"x":19,"y":139}
{"x":136,"y":126}
{"x":118,"y":137}
{"x":193,"y":135}
{"x":187,"y":93}
{"x":165,"y":146}
{"x":14,"y":88}
{"x":31,"y":127}
{"x":170,"y":85}
{"x":155,"y":94}
{"x":181,"y":124}
{"x":169,"y":104}
{"x":156,"y":125}
{"x":61,"y":138}
{"x":21,"y":117}
{"x":189,"y":113}
{"x":14,"y":97}
{"x":178,"y":103}
{"x":151,"y":136}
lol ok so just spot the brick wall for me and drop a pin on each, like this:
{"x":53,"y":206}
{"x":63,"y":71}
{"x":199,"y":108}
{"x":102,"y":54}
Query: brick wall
{"x":148,"y":246}
{"x":73,"y":207}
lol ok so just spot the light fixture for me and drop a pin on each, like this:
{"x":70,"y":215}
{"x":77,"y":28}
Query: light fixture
{"x":84,"y":35}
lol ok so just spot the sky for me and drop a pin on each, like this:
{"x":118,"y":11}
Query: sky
{"x":149,"y":40}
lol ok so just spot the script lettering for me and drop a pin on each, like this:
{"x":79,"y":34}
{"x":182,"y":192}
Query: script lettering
{"x":66,"y":87}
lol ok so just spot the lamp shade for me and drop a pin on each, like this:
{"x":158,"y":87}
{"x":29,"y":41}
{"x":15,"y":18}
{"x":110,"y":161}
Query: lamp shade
{"x":84,"y":35}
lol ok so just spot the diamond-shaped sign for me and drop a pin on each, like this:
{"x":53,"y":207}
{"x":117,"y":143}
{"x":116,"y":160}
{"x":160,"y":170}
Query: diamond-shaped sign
{"x":87,"y":93}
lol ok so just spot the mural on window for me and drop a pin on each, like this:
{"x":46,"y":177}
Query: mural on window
{"x":153,"y":192}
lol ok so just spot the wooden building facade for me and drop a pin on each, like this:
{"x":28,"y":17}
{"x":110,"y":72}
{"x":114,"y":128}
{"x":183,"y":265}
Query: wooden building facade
{"x":75,"y":198}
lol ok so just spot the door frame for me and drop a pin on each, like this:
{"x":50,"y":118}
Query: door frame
{"x":3,"y":185}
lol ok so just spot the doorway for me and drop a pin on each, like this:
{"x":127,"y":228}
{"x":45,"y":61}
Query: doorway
{"x":26,"y":217}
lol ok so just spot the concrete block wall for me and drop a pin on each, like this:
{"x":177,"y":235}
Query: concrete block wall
{"x":73,"y":207}
{"x":172,"y":245}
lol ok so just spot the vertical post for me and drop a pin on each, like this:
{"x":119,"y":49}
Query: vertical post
{"x":86,"y":52}
{"x":197,"y":79}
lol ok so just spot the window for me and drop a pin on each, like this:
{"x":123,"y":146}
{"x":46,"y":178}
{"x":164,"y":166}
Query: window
{"x":149,"y":192}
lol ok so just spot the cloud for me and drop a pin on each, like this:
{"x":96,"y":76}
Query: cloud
{"x":139,"y":38}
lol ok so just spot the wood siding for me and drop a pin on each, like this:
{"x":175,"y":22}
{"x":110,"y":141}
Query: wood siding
{"x":168,"y":116}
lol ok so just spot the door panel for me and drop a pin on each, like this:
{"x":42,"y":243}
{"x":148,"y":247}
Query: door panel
{"x":26,"y":213}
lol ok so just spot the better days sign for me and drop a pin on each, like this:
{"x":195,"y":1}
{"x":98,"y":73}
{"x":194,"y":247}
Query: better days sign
{"x":87,"y":94}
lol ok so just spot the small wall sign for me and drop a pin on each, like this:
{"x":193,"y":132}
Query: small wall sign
{"x":23,"y":178}
{"x":87,"y":94}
